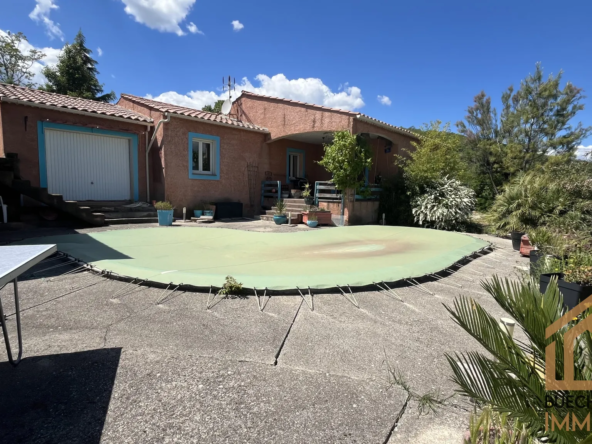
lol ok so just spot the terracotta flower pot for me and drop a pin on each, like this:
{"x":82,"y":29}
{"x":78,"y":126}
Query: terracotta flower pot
{"x":525,"y":246}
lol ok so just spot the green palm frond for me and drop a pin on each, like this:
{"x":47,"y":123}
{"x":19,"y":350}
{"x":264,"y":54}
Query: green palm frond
{"x":512,"y":382}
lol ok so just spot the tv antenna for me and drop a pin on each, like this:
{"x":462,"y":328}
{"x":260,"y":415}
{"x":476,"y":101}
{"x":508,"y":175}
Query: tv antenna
{"x":230,"y":87}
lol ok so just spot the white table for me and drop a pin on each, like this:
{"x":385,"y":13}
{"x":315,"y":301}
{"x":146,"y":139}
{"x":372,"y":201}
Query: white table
{"x":14,"y":261}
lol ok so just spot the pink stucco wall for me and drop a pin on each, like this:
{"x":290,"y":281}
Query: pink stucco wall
{"x":283,"y":118}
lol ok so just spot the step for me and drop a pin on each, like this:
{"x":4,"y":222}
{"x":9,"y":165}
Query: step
{"x":133,"y":220}
{"x":127,"y":214}
{"x":103,"y":203}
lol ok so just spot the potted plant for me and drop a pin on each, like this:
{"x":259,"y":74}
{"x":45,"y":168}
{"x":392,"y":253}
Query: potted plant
{"x":308,"y":199}
{"x":165,"y":213}
{"x":323,"y":217}
{"x":198,"y":211}
{"x":280,"y":213}
{"x":576,"y":282}
{"x":208,"y":210}
{"x":312,"y":221}
{"x":550,"y":268}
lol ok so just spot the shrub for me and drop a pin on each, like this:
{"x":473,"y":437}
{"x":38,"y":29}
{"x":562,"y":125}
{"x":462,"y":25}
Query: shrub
{"x":510,"y":375}
{"x":346,"y":158}
{"x":164,"y":206}
{"x":447,"y":205}
{"x":231,"y":287}
{"x":280,"y":208}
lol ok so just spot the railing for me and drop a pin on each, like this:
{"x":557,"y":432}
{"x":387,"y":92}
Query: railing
{"x":326,"y":191}
{"x":374,"y":193}
{"x":271,"y":188}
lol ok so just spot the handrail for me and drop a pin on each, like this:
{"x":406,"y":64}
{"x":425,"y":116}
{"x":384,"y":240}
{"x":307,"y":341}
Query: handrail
{"x":270,"y":185}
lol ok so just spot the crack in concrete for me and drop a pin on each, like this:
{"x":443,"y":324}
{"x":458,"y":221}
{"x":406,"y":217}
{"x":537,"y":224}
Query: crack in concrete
{"x":397,"y":420}
{"x":277,"y":355}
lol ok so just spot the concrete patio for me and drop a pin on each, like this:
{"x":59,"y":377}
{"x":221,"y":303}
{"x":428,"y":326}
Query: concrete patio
{"x":114,"y":364}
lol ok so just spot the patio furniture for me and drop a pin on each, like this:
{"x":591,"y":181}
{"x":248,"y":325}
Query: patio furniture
{"x":14,"y":261}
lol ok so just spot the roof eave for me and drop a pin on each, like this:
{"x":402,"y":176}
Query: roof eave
{"x":75,"y":111}
{"x":372,"y":121}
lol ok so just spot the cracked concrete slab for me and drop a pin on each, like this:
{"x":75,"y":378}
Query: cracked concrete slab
{"x":168,"y":398}
{"x":232,"y":329}
{"x":447,"y":425}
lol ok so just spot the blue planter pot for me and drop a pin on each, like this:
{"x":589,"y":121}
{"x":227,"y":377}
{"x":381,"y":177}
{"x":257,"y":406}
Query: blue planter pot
{"x":208,"y":212}
{"x":312,"y":223}
{"x":280,"y":220}
{"x":197,"y":213}
{"x":165,"y":218}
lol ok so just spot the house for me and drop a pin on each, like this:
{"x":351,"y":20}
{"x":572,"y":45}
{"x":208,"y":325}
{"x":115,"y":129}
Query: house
{"x":144,"y":150}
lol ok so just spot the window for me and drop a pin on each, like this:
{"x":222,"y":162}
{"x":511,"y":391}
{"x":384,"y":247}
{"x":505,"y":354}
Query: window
{"x":204,"y":157}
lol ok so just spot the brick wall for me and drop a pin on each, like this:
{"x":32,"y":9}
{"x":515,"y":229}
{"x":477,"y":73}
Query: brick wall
{"x":19,"y":135}
{"x":237,"y":148}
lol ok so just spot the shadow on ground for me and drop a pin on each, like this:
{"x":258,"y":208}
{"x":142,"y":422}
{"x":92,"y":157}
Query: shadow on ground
{"x":60,"y":398}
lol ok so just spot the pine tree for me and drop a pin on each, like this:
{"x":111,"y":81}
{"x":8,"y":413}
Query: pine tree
{"x":76,"y":73}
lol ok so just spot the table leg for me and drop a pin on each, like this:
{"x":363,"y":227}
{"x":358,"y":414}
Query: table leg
{"x":18,"y":327}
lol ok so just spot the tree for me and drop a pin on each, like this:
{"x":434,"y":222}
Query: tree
{"x":76,"y":73}
{"x":15,"y":64}
{"x":483,"y":146}
{"x":535,"y":122}
{"x":347,"y":159}
{"x":217,"y":108}
{"x":436,"y":155}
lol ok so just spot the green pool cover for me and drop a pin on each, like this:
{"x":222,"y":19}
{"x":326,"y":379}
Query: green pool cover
{"x":355,"y":256}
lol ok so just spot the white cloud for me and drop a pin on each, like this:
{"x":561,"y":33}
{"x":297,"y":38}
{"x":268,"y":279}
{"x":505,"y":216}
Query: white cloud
{"x":193,"y":29}
{"x":237,"y":26}
{"x":309,"y":90}
{"x":100,"y":52}
{"x":50,"y":59}
{"x":384,"y":100}
{"x":584,"y":152}
{"x":162,"y":15}
{"x":41,"y":14}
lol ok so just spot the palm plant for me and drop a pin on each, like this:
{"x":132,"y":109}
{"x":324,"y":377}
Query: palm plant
{"x":512,"y":381}
{"x":527,"y":202}
{"x":280,"y":208}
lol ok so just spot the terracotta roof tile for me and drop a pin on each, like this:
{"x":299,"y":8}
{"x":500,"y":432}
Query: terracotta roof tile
{"x":38,"y":97}
{"x":192,"y":112}
{"x":358,"y":115}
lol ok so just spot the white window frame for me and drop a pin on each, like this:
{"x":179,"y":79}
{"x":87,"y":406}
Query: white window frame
{"x":213,"y":151}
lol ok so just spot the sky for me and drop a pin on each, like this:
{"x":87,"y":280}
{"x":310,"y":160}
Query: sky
{"x":406,"y":63}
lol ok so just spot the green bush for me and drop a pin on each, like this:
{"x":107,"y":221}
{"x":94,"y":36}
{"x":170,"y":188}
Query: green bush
{"x":447,"y":205}
{"x":164,"y":206}
{"x":395,"y":202}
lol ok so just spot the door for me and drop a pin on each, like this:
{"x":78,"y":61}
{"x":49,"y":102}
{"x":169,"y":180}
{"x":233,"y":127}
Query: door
{"x":294,"y":165}
{"x":83,"y":166}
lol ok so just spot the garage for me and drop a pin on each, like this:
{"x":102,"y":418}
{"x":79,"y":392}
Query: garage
{"x":85,"y":166}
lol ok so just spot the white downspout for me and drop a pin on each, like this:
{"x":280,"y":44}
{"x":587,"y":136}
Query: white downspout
{"x":148,"y":148}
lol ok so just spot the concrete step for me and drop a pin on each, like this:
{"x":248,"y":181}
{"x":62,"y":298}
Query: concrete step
{"x":292,"y":200}
{"x":127,"y":214}
{"x":132,"y":220}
